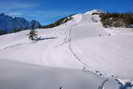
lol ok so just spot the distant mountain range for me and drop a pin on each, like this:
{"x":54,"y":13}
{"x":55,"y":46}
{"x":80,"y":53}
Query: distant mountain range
{"x":12,"y":24}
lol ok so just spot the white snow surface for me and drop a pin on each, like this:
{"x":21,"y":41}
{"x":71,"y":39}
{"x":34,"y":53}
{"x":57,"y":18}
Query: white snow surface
{"x":82,"y":43}
{"x":16,"y":75}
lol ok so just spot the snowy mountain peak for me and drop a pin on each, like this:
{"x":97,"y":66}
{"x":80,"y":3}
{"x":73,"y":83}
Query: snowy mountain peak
{"x":77,"y":18}
{"x":88,"y":17}
{"x":9,"y":23}
{"x":95,"y":11}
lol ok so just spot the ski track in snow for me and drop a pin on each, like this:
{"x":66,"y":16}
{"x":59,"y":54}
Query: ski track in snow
{"x":102,"y":84}
{"x":79,"y":59}
{"x":68,"y":39}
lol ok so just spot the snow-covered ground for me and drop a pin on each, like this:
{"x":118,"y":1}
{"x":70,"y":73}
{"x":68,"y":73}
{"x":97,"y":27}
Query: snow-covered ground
{"x":80,"y":44}
{"x":15,"y":75}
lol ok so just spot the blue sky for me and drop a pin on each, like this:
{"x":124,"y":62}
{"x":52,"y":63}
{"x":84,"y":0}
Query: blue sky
{"x":47,"y":11}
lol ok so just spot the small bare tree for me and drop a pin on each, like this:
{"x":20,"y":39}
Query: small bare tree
{"x":33,"y":35}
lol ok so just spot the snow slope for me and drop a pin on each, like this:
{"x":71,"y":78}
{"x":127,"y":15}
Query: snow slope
{"x":15,"y":75}
{"x":82,"y":43}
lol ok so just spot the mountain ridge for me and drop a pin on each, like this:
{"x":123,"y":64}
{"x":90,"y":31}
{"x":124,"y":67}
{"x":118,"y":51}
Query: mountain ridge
{"x":14,"y":24}
{"x":108,"y":19}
